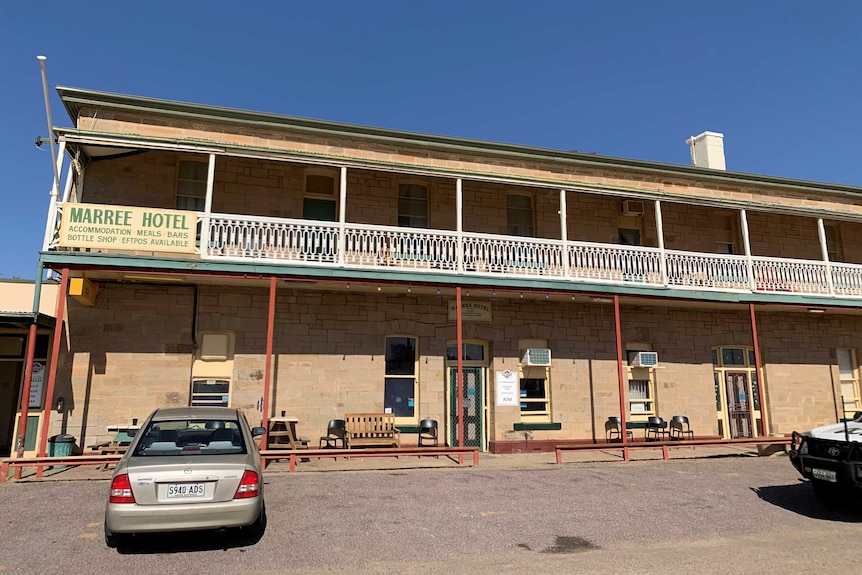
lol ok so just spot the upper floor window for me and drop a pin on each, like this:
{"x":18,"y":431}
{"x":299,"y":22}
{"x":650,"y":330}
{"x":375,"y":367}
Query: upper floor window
{"x":320,"y":202}
{"x":833,"y":243}
{"x":519,"y":216}
{"x":630,"y":237}
{"x":724,"y":236}
{"x":413,"y":205}
{"x":192,"y":186}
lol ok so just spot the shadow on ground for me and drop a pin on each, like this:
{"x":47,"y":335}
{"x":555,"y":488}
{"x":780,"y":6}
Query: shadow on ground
{"x":799,"y":498}
{"x":186,"y":542}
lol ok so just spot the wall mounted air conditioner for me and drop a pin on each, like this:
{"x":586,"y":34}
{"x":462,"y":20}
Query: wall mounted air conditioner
{"x":645,"y":359}
{"x":536,"y":357}
{"x":631,"y":208}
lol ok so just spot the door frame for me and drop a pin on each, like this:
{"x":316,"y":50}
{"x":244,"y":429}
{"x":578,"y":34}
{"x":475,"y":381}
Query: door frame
{"x":483,"y":411}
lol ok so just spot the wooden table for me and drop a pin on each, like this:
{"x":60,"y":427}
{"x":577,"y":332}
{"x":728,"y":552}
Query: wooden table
{"x":282,"y":434}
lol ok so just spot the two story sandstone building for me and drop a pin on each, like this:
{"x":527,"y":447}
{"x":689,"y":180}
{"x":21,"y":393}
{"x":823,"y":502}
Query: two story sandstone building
{"x":519,"y":296}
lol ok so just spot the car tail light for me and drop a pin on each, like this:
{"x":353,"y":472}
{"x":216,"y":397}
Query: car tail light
{"x":249,"y":486}
{"x":121,"y":490}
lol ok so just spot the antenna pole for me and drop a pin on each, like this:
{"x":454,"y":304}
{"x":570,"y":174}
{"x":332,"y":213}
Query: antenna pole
{"x":54,"y":188}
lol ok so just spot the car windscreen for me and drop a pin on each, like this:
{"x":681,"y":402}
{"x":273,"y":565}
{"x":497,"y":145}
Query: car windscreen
{"x":191,"y":437}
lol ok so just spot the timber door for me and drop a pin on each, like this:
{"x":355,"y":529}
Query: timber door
{"x":473,"y":407}
{"x":738,"y":403}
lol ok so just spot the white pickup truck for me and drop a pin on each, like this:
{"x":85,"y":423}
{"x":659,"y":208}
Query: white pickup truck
{"x":831,"y":458}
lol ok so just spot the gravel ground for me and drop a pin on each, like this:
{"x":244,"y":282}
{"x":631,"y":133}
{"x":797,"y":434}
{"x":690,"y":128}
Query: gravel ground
{"x":709,"y":515}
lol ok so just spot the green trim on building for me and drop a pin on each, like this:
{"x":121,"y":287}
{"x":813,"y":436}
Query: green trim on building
{"x":538,"y":426}
{"x":141,"y":264}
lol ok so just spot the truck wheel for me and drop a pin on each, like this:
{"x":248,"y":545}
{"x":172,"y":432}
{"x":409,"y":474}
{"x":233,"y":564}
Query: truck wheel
{"x":829,"y":494}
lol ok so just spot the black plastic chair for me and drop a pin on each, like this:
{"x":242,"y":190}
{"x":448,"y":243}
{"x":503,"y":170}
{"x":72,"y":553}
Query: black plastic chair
{"x":656,"y":429}
{"x":428,"y":432}
{"x":680,"y":428}
{"x":613,"y":429}
{"x":336,"y":430}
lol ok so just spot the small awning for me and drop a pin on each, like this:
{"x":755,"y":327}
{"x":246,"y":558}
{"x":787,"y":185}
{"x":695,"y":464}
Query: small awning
{"x":23,"y":320}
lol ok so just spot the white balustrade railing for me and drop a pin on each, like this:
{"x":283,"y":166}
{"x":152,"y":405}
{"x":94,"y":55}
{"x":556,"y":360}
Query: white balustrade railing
{"x":251,"y":237}
{"x":236,"y":237}
{"x":788,"y":275}
{"x":692,"y":269}
{"x":512,"y":255}
{"x":389,"y":246}
{"x":610,"y":262}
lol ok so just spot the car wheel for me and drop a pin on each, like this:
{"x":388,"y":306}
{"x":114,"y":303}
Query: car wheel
{"x":829,"y":494}
{"x":112,"y":540}
{"x":257,"y":528}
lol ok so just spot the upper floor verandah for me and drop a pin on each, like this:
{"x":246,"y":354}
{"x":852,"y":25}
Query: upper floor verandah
{"x":325,"y":215}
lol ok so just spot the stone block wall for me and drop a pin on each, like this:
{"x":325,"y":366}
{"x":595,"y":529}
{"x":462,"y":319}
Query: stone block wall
{"x":133,"y":352}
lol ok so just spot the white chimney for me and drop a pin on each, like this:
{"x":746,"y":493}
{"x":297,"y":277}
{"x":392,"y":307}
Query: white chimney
{"x":707,"y":150}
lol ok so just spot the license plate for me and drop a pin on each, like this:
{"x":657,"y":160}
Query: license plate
{"x":824,"y":474}
{"x":186,"y":490}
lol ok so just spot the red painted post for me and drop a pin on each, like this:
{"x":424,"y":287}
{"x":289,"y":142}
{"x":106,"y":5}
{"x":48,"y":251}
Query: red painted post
{"x":757,"y":366}
{"x":52,"y":365}
{"x":267,"y":374}
{"x":460,"y":402}
{"x":25,"y":391}
{"x":620,"y":376}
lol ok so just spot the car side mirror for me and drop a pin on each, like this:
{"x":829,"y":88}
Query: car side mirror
{"x":131,"y":432}
{"x":255,"y":431}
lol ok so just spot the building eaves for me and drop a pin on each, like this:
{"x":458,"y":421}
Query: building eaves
{"x":76,"y":98}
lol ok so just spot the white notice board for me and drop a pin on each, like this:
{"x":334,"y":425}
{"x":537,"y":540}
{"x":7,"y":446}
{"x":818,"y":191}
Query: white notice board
{"x":507,"y":388}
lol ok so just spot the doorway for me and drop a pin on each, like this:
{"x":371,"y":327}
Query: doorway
{"x":473,"y":407}
{"x":737,"y":398}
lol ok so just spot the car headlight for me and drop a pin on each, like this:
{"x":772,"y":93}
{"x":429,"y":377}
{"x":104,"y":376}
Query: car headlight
{"x":803,"y":447}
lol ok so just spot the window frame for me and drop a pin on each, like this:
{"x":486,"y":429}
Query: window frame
{"x":386,"y":377}
{"x":638,"y":375}
{"x":512,"y":228}
{"x":408,"y":216}
{"x":534,"y":373}
{"x":201,"y":198}
{"x":833,"y":242}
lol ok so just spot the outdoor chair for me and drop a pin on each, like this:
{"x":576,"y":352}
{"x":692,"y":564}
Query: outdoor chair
{"x":613,"y":429}
{"x":336,"y":430}
{"x":656,"y":429}
{"x":428,"y":432}
{"x":680,"y":428}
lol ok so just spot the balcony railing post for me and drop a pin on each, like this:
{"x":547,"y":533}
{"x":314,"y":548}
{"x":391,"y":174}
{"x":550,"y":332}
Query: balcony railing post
{"x":659,"y":226}
{"x":564,"y":235}
{"x":342,"y":215}
{"x":746,"y":241}
{"x":824,"y":251}
{"x":459,"y":216}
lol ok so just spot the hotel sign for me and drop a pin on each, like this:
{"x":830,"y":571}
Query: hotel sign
{"x":127,"y":228}
{"x":471,"y":310}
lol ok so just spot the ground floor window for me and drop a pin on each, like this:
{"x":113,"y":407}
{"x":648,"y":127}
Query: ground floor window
{"x":534,"y":379}
{"x":642,"y":400}
{"x":401,"y":379}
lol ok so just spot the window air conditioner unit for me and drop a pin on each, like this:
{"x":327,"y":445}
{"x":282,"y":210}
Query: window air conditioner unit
{"x":536,"y":357}
{"x":631,"y":208}
{"x":645,"y":359}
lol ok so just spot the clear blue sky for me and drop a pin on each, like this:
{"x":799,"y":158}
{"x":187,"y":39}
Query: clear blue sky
{"x":782,"y":79}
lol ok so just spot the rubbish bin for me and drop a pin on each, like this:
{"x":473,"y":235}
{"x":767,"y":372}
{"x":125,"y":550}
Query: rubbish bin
{"x":60,"y":446}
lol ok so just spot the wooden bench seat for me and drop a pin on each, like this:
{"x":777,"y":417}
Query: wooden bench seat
{"x":371,"y":430}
